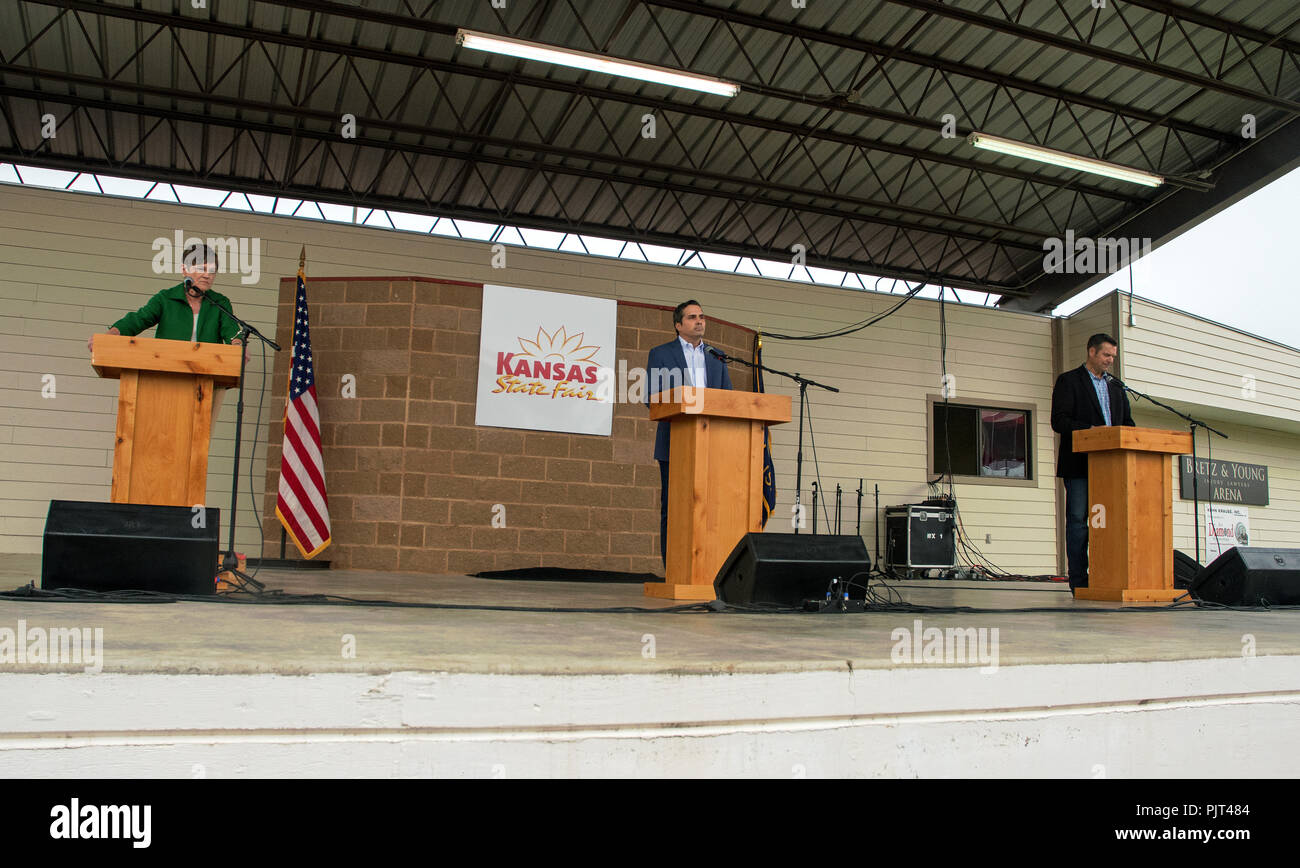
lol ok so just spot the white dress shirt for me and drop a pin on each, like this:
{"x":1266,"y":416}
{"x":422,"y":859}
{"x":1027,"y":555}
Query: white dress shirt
{"x":694,"y":363}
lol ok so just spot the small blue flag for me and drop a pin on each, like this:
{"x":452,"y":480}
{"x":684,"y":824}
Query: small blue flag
{"x":769,"y":471}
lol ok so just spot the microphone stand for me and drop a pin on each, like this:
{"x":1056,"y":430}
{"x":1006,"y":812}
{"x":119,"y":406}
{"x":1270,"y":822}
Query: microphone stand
{"x":804,"y":383}
{"x":229,"y":562}
{"x":1196,"y":473}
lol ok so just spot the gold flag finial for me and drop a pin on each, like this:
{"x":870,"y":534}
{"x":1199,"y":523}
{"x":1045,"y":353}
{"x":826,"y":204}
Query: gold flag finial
{"x":302,"y":258}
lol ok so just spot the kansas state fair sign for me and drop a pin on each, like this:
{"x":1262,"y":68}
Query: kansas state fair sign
{"x":546,"y":361}
{"x":1224,"y":481}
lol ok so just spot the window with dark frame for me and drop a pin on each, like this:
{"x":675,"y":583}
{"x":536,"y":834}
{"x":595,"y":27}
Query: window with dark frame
{"x":988,"y":442}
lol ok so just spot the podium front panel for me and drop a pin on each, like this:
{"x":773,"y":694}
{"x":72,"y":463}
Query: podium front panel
{"x":161,"y":454}
{"x":708,"y":509}
{"x":1130,"y":513}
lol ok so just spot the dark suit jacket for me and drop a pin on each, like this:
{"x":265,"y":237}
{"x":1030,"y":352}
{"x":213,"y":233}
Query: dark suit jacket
{"x":667,"y":368}
{"x":1075,"y":408}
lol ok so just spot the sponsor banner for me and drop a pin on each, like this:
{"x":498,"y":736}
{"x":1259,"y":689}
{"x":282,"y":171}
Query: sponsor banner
{"x":1224,"y":481}
{"x":546,"y":361}
{"x":1225,"y":527}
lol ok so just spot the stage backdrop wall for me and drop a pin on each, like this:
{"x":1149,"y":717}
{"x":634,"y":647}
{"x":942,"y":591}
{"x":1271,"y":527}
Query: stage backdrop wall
{"x":70,"y":263}
{"x":414,"y":484}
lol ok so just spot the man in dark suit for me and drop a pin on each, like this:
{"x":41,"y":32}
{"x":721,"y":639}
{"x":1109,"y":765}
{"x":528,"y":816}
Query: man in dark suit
{"x":684,"y":361}
{"x":1077,"y":404}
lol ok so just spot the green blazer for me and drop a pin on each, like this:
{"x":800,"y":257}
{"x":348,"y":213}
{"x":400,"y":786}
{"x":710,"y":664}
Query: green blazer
{"x":171,"y":312}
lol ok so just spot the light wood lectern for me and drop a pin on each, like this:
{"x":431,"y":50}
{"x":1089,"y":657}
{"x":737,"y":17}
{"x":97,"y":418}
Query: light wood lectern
{"x":164,"y":414}
{"x":1131,"y":551}
{"x":715,"y":480}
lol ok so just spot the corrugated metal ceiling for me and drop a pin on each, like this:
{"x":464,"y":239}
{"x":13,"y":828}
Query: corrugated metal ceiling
{"x":834,"y":141}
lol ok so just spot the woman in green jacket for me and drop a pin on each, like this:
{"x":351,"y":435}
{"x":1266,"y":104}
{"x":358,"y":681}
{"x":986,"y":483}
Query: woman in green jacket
{"x":180,"y":314}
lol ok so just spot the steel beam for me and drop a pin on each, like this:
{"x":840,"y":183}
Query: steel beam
{"x":1268,"y":158}
{"x":484,"y":215}
{"x":827,"y":202}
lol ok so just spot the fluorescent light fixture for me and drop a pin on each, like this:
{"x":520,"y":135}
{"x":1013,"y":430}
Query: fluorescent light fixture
{"x":1061,"y":158}
{"x":593,"y":62}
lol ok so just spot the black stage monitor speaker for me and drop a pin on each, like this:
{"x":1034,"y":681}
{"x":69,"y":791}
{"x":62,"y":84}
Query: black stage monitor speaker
{"x":788,"y":568}
{"x":1251,"y":576}
{"x":1186,"y":569}
{"x":130,"y":546}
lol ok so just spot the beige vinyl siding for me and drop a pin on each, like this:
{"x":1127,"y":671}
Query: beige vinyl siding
{"x":1177,"y":357}
{"x":1086,"y":322}
{"x":1275,"y":525}
{"x":1073,"y":333}
{"x":1197,"y":366}
{"x":70,"y":264}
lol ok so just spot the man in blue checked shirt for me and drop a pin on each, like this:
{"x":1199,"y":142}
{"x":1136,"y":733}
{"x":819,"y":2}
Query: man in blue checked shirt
{"x":1083,"y":398}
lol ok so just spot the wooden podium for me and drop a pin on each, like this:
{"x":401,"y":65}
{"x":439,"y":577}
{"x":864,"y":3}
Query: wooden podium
{"x":1131,"y":553}
{"x":715,"y":480}
{"x":164,"y":414}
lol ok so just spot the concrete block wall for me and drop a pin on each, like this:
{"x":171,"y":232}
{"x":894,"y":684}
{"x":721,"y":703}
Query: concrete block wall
{"x":413,"y":483}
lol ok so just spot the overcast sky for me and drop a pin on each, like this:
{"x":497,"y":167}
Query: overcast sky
{"x":1238,"y":268}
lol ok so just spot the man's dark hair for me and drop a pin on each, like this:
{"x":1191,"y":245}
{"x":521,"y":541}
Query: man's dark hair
{"x":680,"y":309}
{"x":1101,"y":338}
{"x":197,"y":255}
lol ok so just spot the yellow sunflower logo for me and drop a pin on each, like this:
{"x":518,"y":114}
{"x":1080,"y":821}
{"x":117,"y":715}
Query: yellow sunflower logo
{"x":557,"y":346}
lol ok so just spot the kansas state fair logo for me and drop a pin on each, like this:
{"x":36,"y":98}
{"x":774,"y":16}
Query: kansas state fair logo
{"x":549,"y":367}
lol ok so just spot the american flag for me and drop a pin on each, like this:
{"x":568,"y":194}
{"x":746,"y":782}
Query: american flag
{"x":302,"y":505}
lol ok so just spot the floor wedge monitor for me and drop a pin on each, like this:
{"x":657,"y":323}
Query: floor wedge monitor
{"x":788,"y":568}
{"x":1251,"y":576}
{"x":130,"y":546}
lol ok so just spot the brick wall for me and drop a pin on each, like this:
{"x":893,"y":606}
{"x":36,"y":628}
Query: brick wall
{"x":413,"y":481}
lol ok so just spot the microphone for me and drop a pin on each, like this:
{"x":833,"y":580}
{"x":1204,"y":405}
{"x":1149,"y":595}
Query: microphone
{"x":717,"y":354}
{"x":189,"y":284}
{"x":1111,"y":378}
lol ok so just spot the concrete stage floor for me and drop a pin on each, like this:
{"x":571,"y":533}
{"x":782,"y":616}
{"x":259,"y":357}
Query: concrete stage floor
{"x":189,"y":637}
{"x":1063,"y":688}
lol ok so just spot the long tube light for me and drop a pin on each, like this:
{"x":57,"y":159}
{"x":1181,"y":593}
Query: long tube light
{"x":1063,"y":159}
{"x":593,"y":62}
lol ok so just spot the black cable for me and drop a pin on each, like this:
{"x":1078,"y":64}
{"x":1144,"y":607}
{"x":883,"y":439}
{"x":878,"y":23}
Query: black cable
{"x":976,"y":556}
{"x":884,"y":608}
{"x":959,"y":530}
{"x":1183,"y":603}
{"x":945,"y":392}
{"x":885,"y":598}
{"x":882,"y":598}
{"x":1209,"y":495}
{"x":279,"y":598}
{"x":966,"y":548}
{"x":856,"y":327}
{"x":817,"y":469}
{"x":1264,"y":607}
{"x":238,"y":585}
{"x":252,"y":457}
{"x":253,"y":449}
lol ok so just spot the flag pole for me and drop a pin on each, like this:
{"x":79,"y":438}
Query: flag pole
{"x":300,"y":510}
{"x":302,"y":267}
